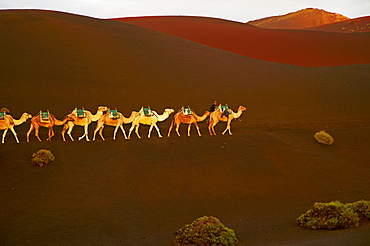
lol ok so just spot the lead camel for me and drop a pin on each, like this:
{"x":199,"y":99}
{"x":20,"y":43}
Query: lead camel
{"x":217,"y":116}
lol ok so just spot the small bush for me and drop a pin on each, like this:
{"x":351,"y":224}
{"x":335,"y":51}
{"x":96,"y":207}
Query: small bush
{"x":335,"y":215}
{"x":361,"y":208}
{"x":324,"y":138}
{"x":205,"y":231}
{"x":42,"y":157}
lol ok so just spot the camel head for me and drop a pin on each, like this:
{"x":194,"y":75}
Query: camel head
{"x":102,"y":108}
{"x":169,"y":110}
{"x":70,"y":117}
{"x":242,"y":108}
{"x":26,"y":116}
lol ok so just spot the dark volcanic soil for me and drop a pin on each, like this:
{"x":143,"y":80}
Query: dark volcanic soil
{"x":140,"y":192}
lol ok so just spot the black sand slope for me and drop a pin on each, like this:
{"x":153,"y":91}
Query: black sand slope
{"x":139,"y":192}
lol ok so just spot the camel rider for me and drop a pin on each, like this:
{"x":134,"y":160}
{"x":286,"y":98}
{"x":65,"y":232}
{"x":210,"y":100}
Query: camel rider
{"x":213,"y":107}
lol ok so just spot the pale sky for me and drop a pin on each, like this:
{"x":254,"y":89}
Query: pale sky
{"x":236,"y":10}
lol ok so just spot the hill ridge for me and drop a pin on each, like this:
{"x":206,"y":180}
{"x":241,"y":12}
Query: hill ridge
{"x":305,"y":18}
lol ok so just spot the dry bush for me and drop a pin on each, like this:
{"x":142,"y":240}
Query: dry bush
{"x":204,"y":231}
{"x":324,"y":138}
{"x":42,"y":157}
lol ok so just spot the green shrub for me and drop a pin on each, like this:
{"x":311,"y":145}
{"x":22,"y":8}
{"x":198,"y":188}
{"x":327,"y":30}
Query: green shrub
{"x":361,"y":208}
{"x":324,"y":138}
{"x":42,"y":157}
{"x":204,"y":231}
{"x":335,"y":215}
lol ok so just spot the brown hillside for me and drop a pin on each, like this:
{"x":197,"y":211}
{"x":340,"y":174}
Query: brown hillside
{"x":304,"y":18}
{"x":302,"y":48}
{"x":140,"y":192}
{"x":361,"y":24}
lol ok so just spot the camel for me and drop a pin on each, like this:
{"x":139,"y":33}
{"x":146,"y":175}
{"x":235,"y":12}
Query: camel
{"x":82,"y":121}
{"x":118,"y":122}
{"x":217,"y":116}
{"x":8,"y":122}
{"x":149,"y":120}
{"x":37,"y":122}
{"x":190,"y":118}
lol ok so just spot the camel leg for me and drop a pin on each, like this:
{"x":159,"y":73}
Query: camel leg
{"x":198,"y":130}
{"x":157,"y":128}
{"x":123,"y":130}
{"x":137,"y":131}
{"x":228,"y":128}
{"x":4,"y":134}
{"x":189,"y":128}
{"x":86,"y":133}
{"x":115,"y":132}
{"x":63,"y":132}
{"x":37,"y":129}
{"x":170,"y":129}
{"x":98,"y":128}
{"x":67,"y":128}
{"x":29,"y":132}
{"x":69,"y":132}
{"x":129,"y":131}
{"x":51,"y":134}
{"x":15,"y":134}
{"x":150,"y":130}
{"x":101,"y":133}
{"x":211,"y":127}
{"x":177,"y":129}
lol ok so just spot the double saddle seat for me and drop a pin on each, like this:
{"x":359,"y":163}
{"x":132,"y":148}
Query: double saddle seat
{"x":2,"y":115}
{"x":81,"y":113}
{"x":113,"y":114}
{"x":187,"y":111}
{"x":146,"y":111}
{"x":45,"y":116}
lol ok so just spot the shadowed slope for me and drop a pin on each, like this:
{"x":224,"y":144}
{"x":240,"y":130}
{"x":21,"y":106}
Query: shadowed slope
{"x":65,"y":61}
{"x":296,"y":47}
{"x":361,"y":24}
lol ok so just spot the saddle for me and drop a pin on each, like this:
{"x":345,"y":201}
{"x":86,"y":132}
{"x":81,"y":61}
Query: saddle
{"x":2,"y":115}
{"x":147,"y":111}
{"x":113,"y":114}
{"x":45,"y":116}
{"x":81,"y":113}
{"x":224,"y":110}
{"x":187,"y":111}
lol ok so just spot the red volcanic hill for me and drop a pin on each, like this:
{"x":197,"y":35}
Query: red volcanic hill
{"x":141,"y":191}
{"x":356,"y":25}
{"x":296,"y":47}
{"x":304,"y":18}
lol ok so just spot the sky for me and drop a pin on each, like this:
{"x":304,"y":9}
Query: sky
{"x":236,"y":10}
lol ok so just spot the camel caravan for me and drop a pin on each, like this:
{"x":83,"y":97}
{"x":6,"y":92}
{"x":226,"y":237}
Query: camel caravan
{"x":105,"y":116}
